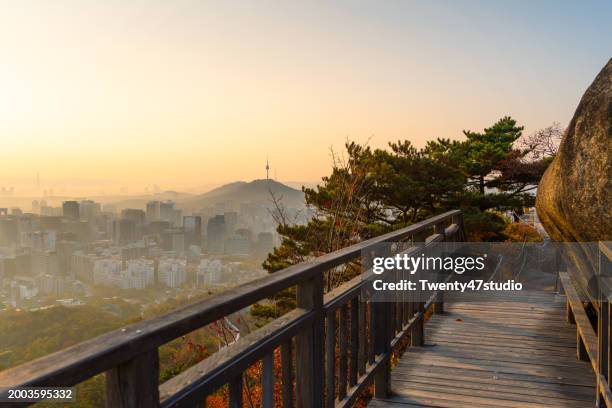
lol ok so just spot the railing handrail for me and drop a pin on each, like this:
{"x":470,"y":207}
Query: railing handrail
{"x":594,"y":345}
{"x":605,"y":247}
{"x":84,"y":360}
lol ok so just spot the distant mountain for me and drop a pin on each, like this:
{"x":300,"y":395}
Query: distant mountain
{"x":257,"y":191}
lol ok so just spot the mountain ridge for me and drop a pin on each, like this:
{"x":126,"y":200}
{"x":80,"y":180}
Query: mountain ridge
{"x":259,"y":191}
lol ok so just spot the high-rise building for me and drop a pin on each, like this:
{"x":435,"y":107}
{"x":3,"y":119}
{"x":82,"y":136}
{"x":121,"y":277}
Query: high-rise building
{"x":50,"y":284}
{"x":177,"y":217}
{"x":88,"y":209}
{"x":238,"y":245}
{"x":136,"y":215}
{"x":65,"y":249}
{"x":82,"y":266}
{"x":18,"y":264}
{"x":216,"y":233}
{"x":9,"y":231}
{"x":173,"y":239}
{"x":51,"y":222}
{"x":231,"y":220}
{"x":70,"y":209}
{"x":153,"y":209}
{"x":46,"y":210}
{"x":157,"y":227}
{"x":166,"y":211}
{"x":40,"y":240}
{"x":192,"y":224}
{"x":45,"y":263}
{"x":245,"y":233}
{"x":124,"y":231}
{"x":28,"y":223}
{"x":130,"y":227}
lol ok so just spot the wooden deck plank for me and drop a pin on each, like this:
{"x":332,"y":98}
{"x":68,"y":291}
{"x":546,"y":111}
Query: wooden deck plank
{"x":580,"y":395}
{"x":496,"y":307}
{"x":449,"y":374}
{"x":495,"y":342}
{"x":504,"y":375}
{"x":499,"y":366}
{"x":534,"y":334}
{"x":510,"y":352}
{"x":512,"y":395}
{"x":497,"y":318}
{"x":508,"y":331}
{"x":454,"y":399}
{"x":503,"y":335}
{"x":502,"y":356}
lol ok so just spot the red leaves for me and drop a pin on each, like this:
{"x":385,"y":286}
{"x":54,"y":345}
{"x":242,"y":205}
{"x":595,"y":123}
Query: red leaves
{"x":252,"y":390}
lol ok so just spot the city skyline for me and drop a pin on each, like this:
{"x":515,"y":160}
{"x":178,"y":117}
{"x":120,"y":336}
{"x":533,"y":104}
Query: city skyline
{"x":36,"y":188}
{"x":189,"y":96}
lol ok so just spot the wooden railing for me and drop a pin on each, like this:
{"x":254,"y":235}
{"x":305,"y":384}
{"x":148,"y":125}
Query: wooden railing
{"x":364,"y":333}
{"x":593,"y":345}
{"x":604,"y":335}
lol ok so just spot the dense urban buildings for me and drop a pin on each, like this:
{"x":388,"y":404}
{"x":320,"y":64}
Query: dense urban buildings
{"x":70,"y":251}
{"x":70,"y":210}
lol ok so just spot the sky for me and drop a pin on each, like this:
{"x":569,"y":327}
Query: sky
{"x":103,"y":95}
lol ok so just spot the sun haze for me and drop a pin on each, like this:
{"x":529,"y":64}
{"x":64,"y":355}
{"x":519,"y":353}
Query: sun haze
{"x":95,"y":96}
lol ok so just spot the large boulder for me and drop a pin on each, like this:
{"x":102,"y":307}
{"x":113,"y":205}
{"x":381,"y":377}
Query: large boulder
{"x":573,"y":200}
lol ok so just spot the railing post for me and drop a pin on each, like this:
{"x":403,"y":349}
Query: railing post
{"x":267,"y":381}
{"x":362,"y":353}
{"x":416,"y":334}
{"x":382,"y":348}
{"x":235,"y":392}
{"x":373,"y":325}
{"x":438,"y":305}
{"x":603,"y":330}
{"x":603,"y":347}
{"x":398,"y":305}
{"x":287,"y":373}
{"x":309,"y":346}
{"x":342,"y":352}
{"x":330,"y":360}
{"x":558,"y":265}
{"x":134,"y":383}
{"x":458,"y":219}
{"x":354,"y":366}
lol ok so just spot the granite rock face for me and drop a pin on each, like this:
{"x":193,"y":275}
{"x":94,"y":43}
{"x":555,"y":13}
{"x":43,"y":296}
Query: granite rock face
{"x":573,"y":200}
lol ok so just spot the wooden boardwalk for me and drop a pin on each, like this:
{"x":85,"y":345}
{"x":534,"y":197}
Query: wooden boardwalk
{"x":516,"y":350}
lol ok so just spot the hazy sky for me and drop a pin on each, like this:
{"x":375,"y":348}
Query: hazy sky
{"x":103,"y":94}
